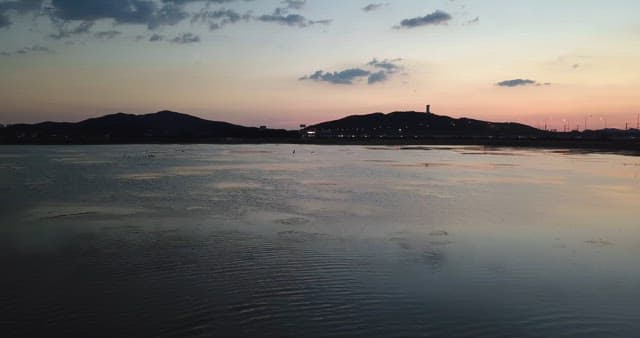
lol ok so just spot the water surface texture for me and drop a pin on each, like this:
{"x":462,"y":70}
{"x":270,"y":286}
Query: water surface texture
{"x":245,"y":240}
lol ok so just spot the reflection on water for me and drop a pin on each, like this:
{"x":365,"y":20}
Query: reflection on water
{"x":217,"y":240}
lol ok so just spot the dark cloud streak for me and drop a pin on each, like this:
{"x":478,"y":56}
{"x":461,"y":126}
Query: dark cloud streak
{"x":520,"y":83}
{"x":29,"y":50}
{"x":436,"y":18}
{"x":219,"y":18}
{"x":281,"y":16}
{"x":374,"y":7}
{"x":379,"y":71}
{"x":186,"y":38}
{"x":386,"y":64}
{"x":345,"y":77}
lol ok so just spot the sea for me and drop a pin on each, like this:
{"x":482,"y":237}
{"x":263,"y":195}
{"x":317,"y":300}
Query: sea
{"x":318,"y":241}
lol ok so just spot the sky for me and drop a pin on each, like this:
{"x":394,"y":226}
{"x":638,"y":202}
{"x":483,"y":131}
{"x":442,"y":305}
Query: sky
{"x":285,"y":63}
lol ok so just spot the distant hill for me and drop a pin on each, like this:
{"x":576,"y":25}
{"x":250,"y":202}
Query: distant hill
{"x":164,"y":126}
{"x":378,"y":128}
{"x":418,"y":124}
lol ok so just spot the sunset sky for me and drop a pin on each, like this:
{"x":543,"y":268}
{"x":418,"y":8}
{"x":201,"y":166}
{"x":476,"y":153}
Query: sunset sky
{"x":283,"y":63}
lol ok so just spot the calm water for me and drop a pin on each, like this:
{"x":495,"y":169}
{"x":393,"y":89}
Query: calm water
{"x":209,"y":240}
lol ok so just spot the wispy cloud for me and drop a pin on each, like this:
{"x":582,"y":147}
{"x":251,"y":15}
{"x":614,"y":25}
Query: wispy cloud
{"x":107,"y":34}
{"x":156,"y":37}
{"x":282,"y":17}
{"x":295,"y":4}
{"x":375,"y":71}
{"x":386,"y":64}
{"x":220,"y":17}
{"x":186,"y":38}
{"x":374,"y":7}
{"x":436,"y":18}
{"x":520,"y":83}
{"x":347,"y":76}
{"x":29,"y":50}
{"x":473,"y":21}
{"x":64,"y":31}
{"x":182,"y":39}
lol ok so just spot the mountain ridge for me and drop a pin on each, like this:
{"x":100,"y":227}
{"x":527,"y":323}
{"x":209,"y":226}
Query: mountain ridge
{"x":383,"y":128}
{"x":412,"y":123}
{"x":163,"y":126}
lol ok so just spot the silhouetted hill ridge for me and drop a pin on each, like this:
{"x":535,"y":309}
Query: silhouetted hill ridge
{"x":163,"y":122}
{"x":421,"y":124}
{"x":396,"y":127}
{"x":120,"y":127}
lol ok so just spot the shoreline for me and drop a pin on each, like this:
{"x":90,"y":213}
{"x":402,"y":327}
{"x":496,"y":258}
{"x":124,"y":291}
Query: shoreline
{"x":626,"y":147}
